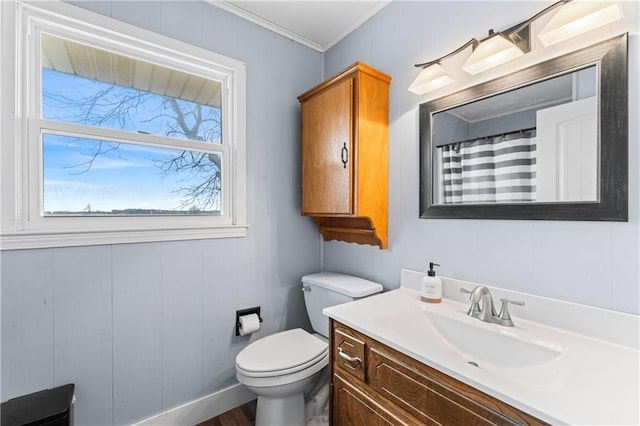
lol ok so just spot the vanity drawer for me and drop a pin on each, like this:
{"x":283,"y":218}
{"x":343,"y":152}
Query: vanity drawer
{"x":349,"y":352}
{"x":425,"y":398}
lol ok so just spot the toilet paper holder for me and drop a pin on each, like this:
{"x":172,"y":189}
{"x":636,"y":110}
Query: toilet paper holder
{"x":248,"y":311}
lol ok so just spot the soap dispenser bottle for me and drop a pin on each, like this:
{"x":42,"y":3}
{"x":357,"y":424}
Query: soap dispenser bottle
{"x":431,"y":286}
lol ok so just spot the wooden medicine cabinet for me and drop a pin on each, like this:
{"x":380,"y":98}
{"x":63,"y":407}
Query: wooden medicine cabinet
{"x":344,"y":155}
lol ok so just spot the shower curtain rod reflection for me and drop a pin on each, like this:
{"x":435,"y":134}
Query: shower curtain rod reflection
{"x":514,"y":132}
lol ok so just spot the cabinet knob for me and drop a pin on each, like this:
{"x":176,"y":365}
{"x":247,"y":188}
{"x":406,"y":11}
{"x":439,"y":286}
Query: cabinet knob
{"x":344,"y":155}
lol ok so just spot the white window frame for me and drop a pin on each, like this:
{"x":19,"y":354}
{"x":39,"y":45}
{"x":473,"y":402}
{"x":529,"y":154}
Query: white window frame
{"x":23,"y":224}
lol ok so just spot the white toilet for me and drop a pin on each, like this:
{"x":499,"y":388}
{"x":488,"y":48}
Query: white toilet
{"x":281,"y":367}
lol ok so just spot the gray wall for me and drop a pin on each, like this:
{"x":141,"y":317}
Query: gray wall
{"x":141,"y":328}
{"x":585,"y":262}
{"x":503,"y":124}
{"x":448,"y":128}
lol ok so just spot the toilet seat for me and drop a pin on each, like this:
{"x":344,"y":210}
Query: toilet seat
{"x":281,"y":354}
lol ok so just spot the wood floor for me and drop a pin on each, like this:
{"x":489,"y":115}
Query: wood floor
{"x":245,"y":415}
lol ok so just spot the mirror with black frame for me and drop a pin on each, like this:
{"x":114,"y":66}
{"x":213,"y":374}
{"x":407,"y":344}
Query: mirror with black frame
{"x":548,"y":142}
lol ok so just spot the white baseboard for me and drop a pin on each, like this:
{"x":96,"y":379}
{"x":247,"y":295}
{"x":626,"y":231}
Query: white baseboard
{"x":202,"y":409}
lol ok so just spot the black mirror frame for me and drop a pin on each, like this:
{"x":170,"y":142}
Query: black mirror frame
{"x":612,"y":58}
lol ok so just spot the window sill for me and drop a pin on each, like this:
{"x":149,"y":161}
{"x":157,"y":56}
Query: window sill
{"x":33,"y":240}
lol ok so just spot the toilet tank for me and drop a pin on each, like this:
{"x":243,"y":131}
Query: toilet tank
{"x":325,"y":289}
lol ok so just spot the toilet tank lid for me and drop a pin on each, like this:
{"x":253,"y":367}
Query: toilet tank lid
{"x":344,"y":284}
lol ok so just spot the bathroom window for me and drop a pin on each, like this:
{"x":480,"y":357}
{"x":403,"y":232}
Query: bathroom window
{"x":127,"y":136}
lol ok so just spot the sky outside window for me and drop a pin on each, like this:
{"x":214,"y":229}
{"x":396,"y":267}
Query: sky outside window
{"x":123,"y":179}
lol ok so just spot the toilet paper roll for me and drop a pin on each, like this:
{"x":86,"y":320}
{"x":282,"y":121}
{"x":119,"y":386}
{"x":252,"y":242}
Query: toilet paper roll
{"x":249,"y":324}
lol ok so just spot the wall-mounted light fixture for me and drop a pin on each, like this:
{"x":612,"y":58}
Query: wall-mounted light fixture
{"x":430,"y":78}
{"x":433,"y":75}
{"x":574,"y":17}
{"x":494,"y":50}
{"x":578,"y":17}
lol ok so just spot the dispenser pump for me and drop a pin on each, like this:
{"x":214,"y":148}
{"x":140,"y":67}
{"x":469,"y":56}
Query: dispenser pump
{"x":431,"y":290}
{"x":431,"y":272}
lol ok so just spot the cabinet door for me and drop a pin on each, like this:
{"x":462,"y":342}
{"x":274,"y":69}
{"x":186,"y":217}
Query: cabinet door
{"x":353,"y":408}
{"x":326,"y":151}
{"x":427,"y":399}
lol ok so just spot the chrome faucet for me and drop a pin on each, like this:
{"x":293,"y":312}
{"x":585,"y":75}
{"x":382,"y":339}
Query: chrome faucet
{"x":482,"y":307}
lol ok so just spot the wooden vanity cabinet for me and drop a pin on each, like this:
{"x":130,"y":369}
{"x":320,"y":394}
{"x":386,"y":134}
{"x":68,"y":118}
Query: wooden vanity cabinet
{"x":344,"y":155}
{"x":373,"y":384}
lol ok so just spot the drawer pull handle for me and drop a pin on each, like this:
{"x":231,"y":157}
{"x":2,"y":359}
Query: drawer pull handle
{"x":353,"y":359}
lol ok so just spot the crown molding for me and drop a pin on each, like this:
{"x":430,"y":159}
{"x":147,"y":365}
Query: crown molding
{"x":231,"y":8}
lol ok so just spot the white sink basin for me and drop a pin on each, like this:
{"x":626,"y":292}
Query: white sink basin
{"x":499,"y":349}
{"x":490,"y":343}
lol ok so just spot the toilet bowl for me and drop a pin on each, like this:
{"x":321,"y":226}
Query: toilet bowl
{"x":282,"y":367}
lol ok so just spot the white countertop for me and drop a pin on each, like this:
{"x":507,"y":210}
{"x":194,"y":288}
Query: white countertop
{"x":594,"y":379}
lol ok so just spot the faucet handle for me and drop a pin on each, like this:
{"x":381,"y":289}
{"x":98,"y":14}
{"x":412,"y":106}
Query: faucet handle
{"x":504,"y":311}
{"x":465,"y":291}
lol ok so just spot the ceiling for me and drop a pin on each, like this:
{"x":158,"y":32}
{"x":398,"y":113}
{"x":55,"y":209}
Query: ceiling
{"x":314,"y":23}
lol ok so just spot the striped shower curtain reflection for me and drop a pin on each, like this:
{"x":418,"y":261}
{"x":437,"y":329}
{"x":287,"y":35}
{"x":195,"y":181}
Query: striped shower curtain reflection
{"x":488,"y":170}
